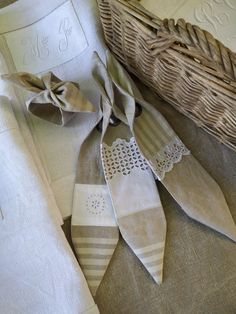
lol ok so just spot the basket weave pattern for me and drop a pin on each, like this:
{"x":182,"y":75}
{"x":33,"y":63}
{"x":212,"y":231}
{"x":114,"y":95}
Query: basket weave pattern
{"x":184,"y":64}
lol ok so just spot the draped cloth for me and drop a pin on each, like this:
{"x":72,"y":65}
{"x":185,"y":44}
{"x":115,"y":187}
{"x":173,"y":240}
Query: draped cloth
{"x":38,"y":271}
{"x":130,"y":145}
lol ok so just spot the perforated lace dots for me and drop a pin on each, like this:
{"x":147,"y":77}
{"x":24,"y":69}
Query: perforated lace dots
{"x":122,"y":157}
{"x":95,"y":204}
{"x":164,"y":160}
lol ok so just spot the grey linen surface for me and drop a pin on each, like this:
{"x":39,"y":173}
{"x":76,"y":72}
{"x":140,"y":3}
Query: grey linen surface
{"x":200,"y":263}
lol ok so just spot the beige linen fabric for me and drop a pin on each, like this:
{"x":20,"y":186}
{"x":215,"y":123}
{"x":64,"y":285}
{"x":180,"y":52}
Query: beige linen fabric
{"x":186,"y":180}
{"x":193,"y":188}
{"x":5,"y":3}
{"x":190,"y":259}
{"x":135,"y":198}
{"x":94,"y":229}
{"x":55,"y":101}
{"x":200,"y":263}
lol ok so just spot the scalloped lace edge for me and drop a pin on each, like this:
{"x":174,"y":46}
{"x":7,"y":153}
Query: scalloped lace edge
{"x":123,"y":156}
{"x":165,"y":159}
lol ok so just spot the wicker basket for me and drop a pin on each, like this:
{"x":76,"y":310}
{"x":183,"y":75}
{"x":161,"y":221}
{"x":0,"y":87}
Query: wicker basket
{"x":184,"y":64}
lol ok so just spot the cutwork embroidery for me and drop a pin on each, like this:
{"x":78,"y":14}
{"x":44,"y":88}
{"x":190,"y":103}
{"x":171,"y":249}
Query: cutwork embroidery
{"x":95,"y":204}
{"x":122,"y":157}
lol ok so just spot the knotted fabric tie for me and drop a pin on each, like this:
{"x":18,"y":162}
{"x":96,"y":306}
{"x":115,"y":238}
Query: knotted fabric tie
{"x":118,"y":161}
{"x":55,"y":101}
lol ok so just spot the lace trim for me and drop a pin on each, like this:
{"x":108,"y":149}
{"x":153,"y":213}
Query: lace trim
{"x":122,"y":157}
{"x":165,"y":159}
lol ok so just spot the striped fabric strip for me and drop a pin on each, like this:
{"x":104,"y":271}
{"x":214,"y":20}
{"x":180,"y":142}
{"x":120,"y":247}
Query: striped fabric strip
{"x":149,"y":136}
{"x":92,"y":250}
{"x":148,"y":244}
{"x":150,"y":248}
{"x":152,"y":257}
{"x":95,"y":240}
{"x":94,"y":253}
{"x":93,"y":272}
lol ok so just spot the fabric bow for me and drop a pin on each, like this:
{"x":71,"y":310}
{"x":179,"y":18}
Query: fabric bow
{"x":55,"y":101}
{"x":115,"y":186}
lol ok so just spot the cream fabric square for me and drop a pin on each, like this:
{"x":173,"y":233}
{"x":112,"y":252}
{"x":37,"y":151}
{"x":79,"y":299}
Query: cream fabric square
{"x":38,"y":47}
{"x":143,"y":196}
{"x":92,"y":206}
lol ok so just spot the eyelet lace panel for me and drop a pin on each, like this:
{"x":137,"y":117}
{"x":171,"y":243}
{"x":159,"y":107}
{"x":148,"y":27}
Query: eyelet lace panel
{"x":165,"y":159}
{"x":122,"y":157}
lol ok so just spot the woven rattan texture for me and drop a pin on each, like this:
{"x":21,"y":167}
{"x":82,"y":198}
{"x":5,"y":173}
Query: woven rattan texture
{"x":184,"y":64}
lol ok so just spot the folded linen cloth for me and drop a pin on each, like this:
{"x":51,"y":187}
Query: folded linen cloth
{"x":59,"y":100}
{"x":94,"y":229}
{"x":26,"y":28}
{"x":38,"y":273}
{"x":132,"y":187}
{"x":147,"y":142}
{"x":21,"y":185}
{"x":187,"y":181}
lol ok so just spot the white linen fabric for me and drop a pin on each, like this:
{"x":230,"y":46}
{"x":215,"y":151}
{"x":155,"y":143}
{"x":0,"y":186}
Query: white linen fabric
{"x":25,"y":18}
{"x":216,"y":16}
{"x":92,"y":206}
{"x":39,"y":273}
{"x":21,"y":185}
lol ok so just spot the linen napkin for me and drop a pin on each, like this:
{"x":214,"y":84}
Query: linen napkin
{"x":133,"y":191}
{"x":94,"y":230}
{"x":38,"y":272}
{"x":187,"y":181}
{"x":135,"y":141}
{"x":55,"y":101}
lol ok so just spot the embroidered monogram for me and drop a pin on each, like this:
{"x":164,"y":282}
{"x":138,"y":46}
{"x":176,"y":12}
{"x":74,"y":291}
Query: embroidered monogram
{"x":66,"y":30}
{"x":53,"y":40}
{"x":35,"y":48}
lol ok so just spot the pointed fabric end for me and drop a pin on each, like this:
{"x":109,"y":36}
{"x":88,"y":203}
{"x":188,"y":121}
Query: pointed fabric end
{"x":158,"y":277}
{"x":207,"y":203}
{"x":26,"y":80}
{"x":152,"y":257}
{"x":94,"y":247}
{"x":230,"y":232}
{"x":93,"y":289}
